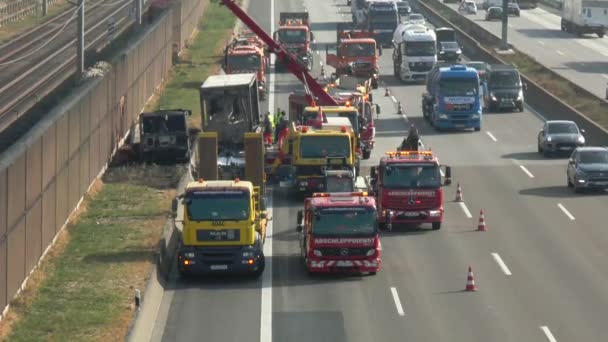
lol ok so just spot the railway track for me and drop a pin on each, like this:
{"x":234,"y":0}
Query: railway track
{"x":37,"y":62}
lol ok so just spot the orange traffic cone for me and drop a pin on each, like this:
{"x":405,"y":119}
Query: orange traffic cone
{"x":400,"y":111}
{"x":387,"y":92}
{"x":482,"y":222}
{"x":471,"y":287}
{"x":458,"y":193}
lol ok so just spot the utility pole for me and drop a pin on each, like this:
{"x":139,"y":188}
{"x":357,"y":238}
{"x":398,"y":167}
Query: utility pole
{"x":138,"y":10}
{"x":80,"y":40}
{"x":505,"y":25}
{"x":45,"y":7}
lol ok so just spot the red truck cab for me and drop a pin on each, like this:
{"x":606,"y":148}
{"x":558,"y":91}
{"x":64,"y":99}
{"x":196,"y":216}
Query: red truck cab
{"x":408,"y":188}
{"x":339,"y":233}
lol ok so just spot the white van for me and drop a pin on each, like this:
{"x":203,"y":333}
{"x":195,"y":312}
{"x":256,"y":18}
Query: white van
{"x":467,"y":7}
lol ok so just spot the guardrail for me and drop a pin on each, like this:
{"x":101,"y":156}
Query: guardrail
{"x":477,"y":47}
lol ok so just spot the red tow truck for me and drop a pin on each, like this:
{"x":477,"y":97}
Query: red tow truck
{"x":339,"y":233}
{"x":246,"y":53}
{"x":408,"y":188}
{"x":357,"y":54}
{"x":295,"y":35}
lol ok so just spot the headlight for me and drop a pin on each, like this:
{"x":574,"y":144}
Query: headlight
{"x":520,"y":95}
{"x":371,"y":252}
{"x":304,"y":183}
{"x":459,"y":51}
{"x":549,"y":139}
{"x":189,"y":255}
{"x":581,"y":139}
{"x":493,"y":96}
{"x":443,"y":116}
{"x":317,"y":252}
{"x":248,"y":254}
{"x":475,"y":116}
{"x":434,"y":213}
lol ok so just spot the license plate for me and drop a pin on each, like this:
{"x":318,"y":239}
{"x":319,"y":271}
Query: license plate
{"x":411,"y":213}
{"x":565,"y":148}
{"x":344,"y":263}
{"x":219,"y":267}
{"x":459,"y":125}
{"x":284,"y":184}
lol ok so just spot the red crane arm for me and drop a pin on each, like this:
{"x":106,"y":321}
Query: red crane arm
{"x":283,"y":55}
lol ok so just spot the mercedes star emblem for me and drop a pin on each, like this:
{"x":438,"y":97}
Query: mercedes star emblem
{"x":343,"y":251}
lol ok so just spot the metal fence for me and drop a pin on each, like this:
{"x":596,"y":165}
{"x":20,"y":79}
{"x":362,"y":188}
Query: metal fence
{"x":14,"y":10}
{"x":45,"y":175}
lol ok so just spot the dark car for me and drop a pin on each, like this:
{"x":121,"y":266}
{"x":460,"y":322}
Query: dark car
{"x":505,"y":89}
{"x":513,"y":9}
{"x":404,"y":8}
{"x":494,"y":13}
{"x":560,"y":136}
{"x":588,"y":169}
{"x":449,"y":51}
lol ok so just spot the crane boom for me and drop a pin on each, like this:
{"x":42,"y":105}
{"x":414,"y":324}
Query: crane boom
{"x":292,"y":64}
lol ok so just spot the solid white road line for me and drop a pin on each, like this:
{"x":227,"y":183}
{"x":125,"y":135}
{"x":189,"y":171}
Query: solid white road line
{"x":548,"y":333}
{"x":570,"y":216}
{"x":501,"y":263}
{"x":560,"y":53}
{"x":397,"y":302}
{"x":266,"y":295}
{"x":393,"y":99}
{"x":492,"y":136}
{"x":523,"y":168}
{"x":465,"y":209}
{"x":604,"y":76}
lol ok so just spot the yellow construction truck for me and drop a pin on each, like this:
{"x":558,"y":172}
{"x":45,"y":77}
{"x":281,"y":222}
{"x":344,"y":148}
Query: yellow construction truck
{"x":307,"y":152}
{"x":222,"y":214}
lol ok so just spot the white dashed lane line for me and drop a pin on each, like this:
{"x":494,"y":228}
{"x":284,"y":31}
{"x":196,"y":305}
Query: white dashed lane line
{"x":465,"y":209}
{"x":548,"y":334}
{"x":492,"y":136}
{"x":526,"y":171}
{"x":570,"y":216}
{"x":502,"y":264}
{"x":397,"y":301}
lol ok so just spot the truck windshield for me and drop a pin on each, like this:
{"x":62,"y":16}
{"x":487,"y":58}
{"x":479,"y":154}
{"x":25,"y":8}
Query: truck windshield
{"x":504,"y":80}
{"x":456,"y":87}
{"x":244,"y":62}
{"x":420,"y":49}
{"x":321,"y":147}
{"x":222,"y":205}
{"x":360,"y":50}
{"x":412,"y":176}
{"x":345,"y":221}
{"x":353,"y":117}
{"x":292,"y":36}
{"x":158,"y":124}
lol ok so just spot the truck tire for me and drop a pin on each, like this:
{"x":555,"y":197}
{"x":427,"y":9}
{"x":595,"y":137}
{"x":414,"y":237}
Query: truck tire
{"x":436,"y":225}
{"x":477,"y":129}
{"x":260,"y":270}
{"x":372,"y":273}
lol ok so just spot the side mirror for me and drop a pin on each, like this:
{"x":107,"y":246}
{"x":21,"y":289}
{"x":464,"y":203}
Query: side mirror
{"x":571,"y":161}
{"x":389,"y":220}
{"x":174,"y":205}
{"x":373,"y":172}
{"x":300,"y":219}
{"x":379,"y":50}
{"x":448,"y":175}
{"x":312,"y":36}
{"x":263,"y":204}
{"x":378,"y":111}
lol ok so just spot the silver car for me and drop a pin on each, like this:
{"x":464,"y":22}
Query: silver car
{"x":588,"y":169}
{"x":560,"y":136}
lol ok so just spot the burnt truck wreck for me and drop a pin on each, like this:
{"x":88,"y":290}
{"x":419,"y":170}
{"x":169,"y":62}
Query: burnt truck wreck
{"x":230,"y":109}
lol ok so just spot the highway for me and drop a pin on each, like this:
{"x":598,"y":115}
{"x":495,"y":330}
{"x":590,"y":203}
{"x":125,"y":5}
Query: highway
{"x":541,"y":267}
{"x":583,"y":60}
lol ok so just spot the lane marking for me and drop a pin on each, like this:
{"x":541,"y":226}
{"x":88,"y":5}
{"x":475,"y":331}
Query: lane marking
{"x":397,"y":302}
{"x":566,"y":211}
{"x":548,"y":333}
{"x":393,"y":99}
{"x":501,"y":263}
{"x":604,"y":76}
{"x":560,"y":53}
{"x":465,"y":209}
{"x":605,"y":54}
{"x":523,"y":168}
{"x":541,"y":42}
{"x":441,"y":172}
{"x":266,"y":291}
{"x":491,"y":136}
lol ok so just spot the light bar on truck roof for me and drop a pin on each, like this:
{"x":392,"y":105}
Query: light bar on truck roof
{"x":423,"y":154}
{"x":340,"y":194}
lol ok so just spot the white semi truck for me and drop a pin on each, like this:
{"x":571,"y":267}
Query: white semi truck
{"x":585,"y":16}
{"x":415,"y":51}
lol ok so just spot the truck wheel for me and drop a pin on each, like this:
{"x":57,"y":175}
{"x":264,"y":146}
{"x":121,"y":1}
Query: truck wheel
{"x":436,"y":225}
{"x":260,"y":270}
{"x":477,"y":129}
{"x":372,"y":273}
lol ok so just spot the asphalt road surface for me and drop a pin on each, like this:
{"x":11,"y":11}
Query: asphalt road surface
{"x":537,"y":33}
{"x":541,"y":267}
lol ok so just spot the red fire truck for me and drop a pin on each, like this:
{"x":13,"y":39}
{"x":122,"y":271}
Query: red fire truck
{"x":408,"y":188}
{"x":339,"y":233}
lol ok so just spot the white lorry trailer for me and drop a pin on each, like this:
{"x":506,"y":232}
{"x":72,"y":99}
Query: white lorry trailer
{"x":415,"y":51}
{"x":585,"y":16}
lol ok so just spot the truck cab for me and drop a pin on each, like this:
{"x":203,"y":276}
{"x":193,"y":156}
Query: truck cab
{"x":295,"y":35}
{"x":414,"y":53}
{"x":339,"y":233}
{"x":408,"y":188}
{"x":224,"y":228}
{"x":162,"y":136}
{"x":246,"y":54}
{"x":454,"y":98}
